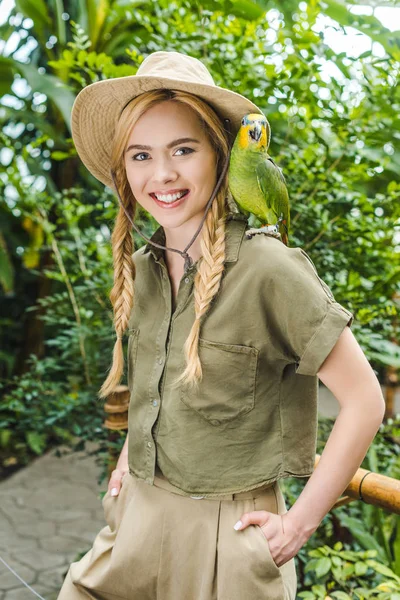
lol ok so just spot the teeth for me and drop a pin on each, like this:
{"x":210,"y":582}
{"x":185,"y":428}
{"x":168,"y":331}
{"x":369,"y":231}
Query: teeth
{"x":170,"y":197}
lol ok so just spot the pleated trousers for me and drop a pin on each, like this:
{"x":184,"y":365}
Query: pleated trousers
{"x":161,"y":545}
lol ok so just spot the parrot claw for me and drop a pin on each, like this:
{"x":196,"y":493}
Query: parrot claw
{"x":267,"y":229}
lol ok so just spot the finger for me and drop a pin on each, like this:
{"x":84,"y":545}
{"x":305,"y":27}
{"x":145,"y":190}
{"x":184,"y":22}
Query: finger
{"x":114,"y":485}
{"x":256,"y":517}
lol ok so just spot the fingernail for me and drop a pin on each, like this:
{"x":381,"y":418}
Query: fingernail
{"x":114,"y":492}
{"x":237,"y":525}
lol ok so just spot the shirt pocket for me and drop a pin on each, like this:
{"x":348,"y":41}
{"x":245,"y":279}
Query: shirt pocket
{"x":227,"y":389}
{"x":133,"y":341}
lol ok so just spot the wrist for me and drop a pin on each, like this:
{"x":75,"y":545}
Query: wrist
{"x":304,"y":526}
{"x":122,"y":463}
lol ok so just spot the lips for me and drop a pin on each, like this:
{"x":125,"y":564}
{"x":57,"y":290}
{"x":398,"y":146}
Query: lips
{"x":160,"y":193}
{"x":173,"y":204}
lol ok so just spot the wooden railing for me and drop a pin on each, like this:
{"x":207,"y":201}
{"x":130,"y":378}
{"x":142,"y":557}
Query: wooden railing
{"x":372,"y":488}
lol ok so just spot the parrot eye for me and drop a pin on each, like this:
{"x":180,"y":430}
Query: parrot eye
{"x":244,"y":121}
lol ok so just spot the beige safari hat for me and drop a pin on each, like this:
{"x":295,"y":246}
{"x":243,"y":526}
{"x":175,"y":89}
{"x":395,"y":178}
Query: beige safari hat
{"x":98,"y":106}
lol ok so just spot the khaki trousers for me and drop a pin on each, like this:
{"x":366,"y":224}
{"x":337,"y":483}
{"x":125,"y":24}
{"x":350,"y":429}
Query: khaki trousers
{"x":161,"y":545}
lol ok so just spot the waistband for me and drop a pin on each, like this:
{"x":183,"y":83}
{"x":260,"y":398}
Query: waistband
{"x":162,"y":482}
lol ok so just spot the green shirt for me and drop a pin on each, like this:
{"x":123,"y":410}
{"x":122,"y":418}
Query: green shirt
{"x":253,"y":419}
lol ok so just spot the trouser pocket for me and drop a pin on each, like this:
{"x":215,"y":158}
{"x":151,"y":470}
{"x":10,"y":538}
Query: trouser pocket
{"x":115,"y":506}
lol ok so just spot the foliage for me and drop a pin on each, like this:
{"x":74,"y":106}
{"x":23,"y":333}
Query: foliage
{"x":347,"y":575}
{"x":56,"y":398}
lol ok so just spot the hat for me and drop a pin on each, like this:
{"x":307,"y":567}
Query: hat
{"x":98,"y":106}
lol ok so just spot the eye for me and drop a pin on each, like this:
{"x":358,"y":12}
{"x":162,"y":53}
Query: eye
{"x":136,"y":155}
{"x":144,"y":153}
{"x":186,"y":148}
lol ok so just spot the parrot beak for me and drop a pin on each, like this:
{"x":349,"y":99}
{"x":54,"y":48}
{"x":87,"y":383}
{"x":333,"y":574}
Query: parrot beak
{"x":255,"y":131}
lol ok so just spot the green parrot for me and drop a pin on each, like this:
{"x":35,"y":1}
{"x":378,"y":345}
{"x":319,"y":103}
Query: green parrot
{"x":255,"y":180}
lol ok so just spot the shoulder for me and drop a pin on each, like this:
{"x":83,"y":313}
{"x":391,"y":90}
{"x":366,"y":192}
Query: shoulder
{"x":141,"y":261}
{"x":139,"y":257}
{"x":266,"y":251}
{"x":286,"y":267}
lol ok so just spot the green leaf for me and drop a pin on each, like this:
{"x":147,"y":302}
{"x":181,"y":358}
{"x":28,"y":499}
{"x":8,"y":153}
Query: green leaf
{"x":323,"y":567}
{"x":341,"y":595}
{"x":61,"y":26}
{"x":5,"y":437}
{"x":368,"y":25}
{"x":35,"y":10}
{"x":6,"y":75}
{"x":363,"y":536}
{"x":360,"y":568}
{"x":97,"y":14}
{"x":53,"y":87}
{"x":382,"y":569}
{"x":6,"y":267}
{"x":57,"y":155}
{"x":36,"y":441}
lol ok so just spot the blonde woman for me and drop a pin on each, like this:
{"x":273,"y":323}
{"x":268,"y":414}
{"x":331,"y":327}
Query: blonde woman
{"x":227,"y":337}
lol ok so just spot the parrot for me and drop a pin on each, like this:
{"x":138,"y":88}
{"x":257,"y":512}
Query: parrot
{"x":255,"y":181}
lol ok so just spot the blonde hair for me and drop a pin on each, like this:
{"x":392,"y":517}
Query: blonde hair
{"x":212,"y":242}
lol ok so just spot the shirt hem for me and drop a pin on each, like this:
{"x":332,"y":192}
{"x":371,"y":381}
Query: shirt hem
{"x":254,"y":486}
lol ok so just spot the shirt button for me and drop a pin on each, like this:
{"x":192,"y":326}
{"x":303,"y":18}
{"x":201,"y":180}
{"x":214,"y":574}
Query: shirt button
{"x":215,"y":422}
{"x":187,"y":280}
{"x":160,"y":361}
{"x":155,"y":402}
{"x":149,"y":444}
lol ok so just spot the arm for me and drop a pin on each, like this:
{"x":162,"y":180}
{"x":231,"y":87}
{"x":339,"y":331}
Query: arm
{"x":122,"y":463}
{"x":120,"y":469}
{"x":348,"y":375}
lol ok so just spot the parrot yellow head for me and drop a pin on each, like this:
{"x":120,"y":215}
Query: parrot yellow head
{"x":254,"y":133}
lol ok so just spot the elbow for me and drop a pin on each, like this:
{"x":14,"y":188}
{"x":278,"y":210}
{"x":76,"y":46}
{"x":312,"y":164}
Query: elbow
{"x":377,"y":407}
{"x":373,"y":405}
{"x":382,"y":405}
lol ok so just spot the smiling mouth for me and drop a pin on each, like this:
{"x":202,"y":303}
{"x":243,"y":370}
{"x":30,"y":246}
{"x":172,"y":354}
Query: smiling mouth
{"x":170,"y":198}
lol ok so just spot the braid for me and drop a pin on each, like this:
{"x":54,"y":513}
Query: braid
{"x":210,"y":265}
{"x":206,"y":285}
{"x":121,"y":295}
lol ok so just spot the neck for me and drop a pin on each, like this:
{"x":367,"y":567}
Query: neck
{"x":179,"y":238}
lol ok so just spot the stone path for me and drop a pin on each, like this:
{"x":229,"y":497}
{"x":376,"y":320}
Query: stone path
{"x":51,"y":511}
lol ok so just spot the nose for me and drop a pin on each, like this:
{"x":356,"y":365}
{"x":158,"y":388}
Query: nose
{"x":164,"y":171}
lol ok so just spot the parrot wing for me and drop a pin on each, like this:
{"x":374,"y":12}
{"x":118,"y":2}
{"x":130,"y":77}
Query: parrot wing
{"x":272,"y":185}
{"x":270,"y":178}
{"x":279,"y":170}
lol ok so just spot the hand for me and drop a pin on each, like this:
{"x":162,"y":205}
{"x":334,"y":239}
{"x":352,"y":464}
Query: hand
{"x":122,"y":467}
{"x":284,"y":538}
{"x":115,"y":483}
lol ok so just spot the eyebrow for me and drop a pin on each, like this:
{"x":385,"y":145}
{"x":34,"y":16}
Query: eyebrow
{"x":183,"y":140}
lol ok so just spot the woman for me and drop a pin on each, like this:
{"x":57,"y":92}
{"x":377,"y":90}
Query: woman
{"x":224,"y":353}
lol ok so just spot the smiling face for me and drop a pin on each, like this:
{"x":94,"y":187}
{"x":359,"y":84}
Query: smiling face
{"x":168,"y":152}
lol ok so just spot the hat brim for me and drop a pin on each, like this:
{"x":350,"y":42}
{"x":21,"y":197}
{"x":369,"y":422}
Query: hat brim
{"x":97,"y":108}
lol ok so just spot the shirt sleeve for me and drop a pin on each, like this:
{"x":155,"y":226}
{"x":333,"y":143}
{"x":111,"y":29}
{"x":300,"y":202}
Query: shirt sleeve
{"x":308,"y":316}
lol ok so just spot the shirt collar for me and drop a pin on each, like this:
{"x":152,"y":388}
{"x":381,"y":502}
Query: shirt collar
{"x":235,"y":226}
